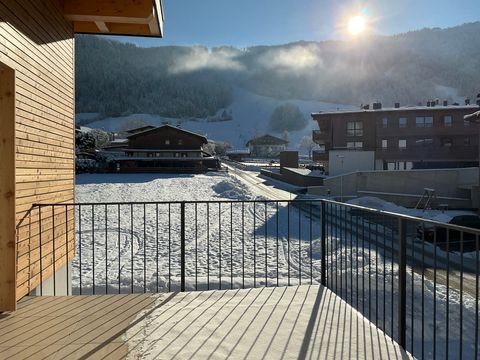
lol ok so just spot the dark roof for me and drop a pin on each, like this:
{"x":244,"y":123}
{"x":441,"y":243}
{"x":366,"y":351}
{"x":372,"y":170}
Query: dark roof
{"x":267,"y":140}
{"x":204,"y":139}
{"x":140,"y":129}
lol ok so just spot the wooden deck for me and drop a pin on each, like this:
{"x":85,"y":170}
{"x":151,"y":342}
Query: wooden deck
{"x":275,"y":323}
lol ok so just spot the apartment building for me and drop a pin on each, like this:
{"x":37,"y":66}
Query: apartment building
{"x":414,"y":137}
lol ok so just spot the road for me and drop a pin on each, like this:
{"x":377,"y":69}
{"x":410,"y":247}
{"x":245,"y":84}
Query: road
{"x":259,"y":185}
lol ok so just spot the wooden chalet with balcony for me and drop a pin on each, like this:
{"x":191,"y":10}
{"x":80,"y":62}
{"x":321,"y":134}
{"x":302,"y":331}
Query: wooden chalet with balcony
{"x":166,"y":149}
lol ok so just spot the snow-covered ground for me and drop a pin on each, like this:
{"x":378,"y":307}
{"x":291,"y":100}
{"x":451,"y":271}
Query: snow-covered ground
{"x":242,"y":244}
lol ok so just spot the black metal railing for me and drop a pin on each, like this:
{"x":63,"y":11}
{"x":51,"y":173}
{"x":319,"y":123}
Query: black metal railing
{"x":416,"y":279}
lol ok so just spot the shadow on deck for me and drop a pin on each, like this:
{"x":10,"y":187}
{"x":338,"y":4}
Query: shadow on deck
{"x":280,"y":323}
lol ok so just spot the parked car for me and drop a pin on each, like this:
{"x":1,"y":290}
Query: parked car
{"x":427,"y":231}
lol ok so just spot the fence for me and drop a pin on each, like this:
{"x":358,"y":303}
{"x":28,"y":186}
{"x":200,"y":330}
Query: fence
{"x":416,"y":279}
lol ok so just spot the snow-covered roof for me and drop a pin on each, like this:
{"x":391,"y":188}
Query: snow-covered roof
{"x":474,"y":116}
{"x":240,"y":152}
{"x":400,"y":109}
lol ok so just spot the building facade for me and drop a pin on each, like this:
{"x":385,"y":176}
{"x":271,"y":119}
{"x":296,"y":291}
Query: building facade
{"x":401,"y":137}
{"x":37,"y":133}
{"x":267,"y":146}
{"x":166,"y":149}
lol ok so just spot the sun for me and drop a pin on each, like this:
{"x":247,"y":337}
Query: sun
{"x":356,"y":25}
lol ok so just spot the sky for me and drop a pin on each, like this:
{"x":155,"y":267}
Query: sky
{"x":267,"y":22}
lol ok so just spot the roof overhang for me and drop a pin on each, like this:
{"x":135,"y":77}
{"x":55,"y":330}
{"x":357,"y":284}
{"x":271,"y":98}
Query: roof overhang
{"x":115,"y":17}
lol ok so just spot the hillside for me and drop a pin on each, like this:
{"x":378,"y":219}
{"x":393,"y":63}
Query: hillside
{"x":119,"y":79}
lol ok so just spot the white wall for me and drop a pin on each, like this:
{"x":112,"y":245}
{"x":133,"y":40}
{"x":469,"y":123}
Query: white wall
{"x":346,"y":161}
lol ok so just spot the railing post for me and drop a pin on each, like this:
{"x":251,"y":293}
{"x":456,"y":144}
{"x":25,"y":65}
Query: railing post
{"x":402,"y":282}
{"x":323,"y":265}
{"x":182,"y":246}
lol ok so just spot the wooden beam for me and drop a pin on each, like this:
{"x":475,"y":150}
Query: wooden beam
{"x":108,"y":19}
{"x":108,"y":8}
{"x":102,"y":26}
{"x":7,"y":191}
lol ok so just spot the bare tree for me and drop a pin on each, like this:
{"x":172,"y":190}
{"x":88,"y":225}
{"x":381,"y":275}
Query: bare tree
{"x":308,"y":144}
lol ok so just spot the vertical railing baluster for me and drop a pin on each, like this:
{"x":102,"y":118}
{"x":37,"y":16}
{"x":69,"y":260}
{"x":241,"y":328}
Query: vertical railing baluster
{"x":119,"y":253}
{"x":131,"y":248}
{"x":402,"y":282}
{"x":53,"y":253}
{"x":477,"y":275}
{"x":220,"y":245}
{"x":423,"y":299}
{"x":67,"y":250}
{"x":182,"y":246}
{"x":169,"y":247}
{"x":276,"y":236}
{"x":196,"y":248}
{"x":460,"y":355}
{"x":231,"y":245}
{"x":93,"y":247}
{"x":106,"y":250}
{"x":323,"y":241}
{"x":254,"y":246}
{"x":447,"y":304}
{"x":208,"y":246}
{"x":156,"y":242}
{"x":299,"y":243}
{"x":266,"y":247}
{"x":144,"y":248}
{"x":80,"y":244}
{"x":434,"y":294}
{"x":243,"y":245}
{"x":41,"y":246}
{"x":311,"y":245}
{"x":288,"y":241}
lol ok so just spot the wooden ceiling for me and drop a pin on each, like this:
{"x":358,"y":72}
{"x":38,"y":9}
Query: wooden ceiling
{"x":115,"y":17}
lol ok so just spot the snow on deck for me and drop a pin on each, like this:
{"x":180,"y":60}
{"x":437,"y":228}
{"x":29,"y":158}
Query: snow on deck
{"x":286,"y":322}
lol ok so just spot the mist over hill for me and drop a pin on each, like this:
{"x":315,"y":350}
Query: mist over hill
{"x":180,"y":82}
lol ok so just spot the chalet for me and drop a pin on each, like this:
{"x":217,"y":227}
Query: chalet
{"x":37,"y":132}
{"x":166,"y":149}
{"x":266,"y":146}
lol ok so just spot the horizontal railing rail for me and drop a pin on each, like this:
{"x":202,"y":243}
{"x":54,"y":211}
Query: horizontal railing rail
{"x":417,"y":279}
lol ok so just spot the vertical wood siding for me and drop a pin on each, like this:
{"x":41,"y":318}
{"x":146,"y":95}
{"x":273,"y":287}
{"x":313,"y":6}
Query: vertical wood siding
{"x":37,"y":42}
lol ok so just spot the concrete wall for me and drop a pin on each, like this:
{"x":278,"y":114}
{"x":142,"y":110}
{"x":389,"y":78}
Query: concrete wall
{"x":405,"y":187}
{"x":59,"y":285}
{"x":346,"y":161}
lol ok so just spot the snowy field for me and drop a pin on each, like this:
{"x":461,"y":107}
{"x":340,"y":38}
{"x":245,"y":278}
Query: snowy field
{"x":137,"y":246}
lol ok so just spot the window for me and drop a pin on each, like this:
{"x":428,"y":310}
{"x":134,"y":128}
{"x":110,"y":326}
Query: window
{"x":167,"y":142}
{"x":385,"y":122}
{"x":423,"y":142}
{"x":355,"y":128}
{"x":354,"y":145}
{"x":180,"y":142}
{"x":384,"y":144}
{"x":466,"y":141}
{"x":447,"y":142}
{"x":402,"y":144}
{"x":402,"y":122}
{"x":447,"y":121}
{"x":424,"y":121}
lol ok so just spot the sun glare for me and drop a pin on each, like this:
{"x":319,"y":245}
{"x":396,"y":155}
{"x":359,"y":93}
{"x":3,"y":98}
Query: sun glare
{"x":356,"y":25}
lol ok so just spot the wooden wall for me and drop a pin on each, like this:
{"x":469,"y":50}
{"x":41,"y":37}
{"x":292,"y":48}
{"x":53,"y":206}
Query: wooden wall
{"x":37,"y":43}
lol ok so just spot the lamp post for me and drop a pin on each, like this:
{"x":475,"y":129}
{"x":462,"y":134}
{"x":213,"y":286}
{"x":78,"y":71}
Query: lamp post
{"x":475,"y":118}
{"x":341,"y":157}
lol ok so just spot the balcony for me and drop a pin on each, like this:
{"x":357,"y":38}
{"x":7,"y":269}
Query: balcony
{"x":431,"y":152}
{"x":193,"y":279}
{"x":319,"y":135}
